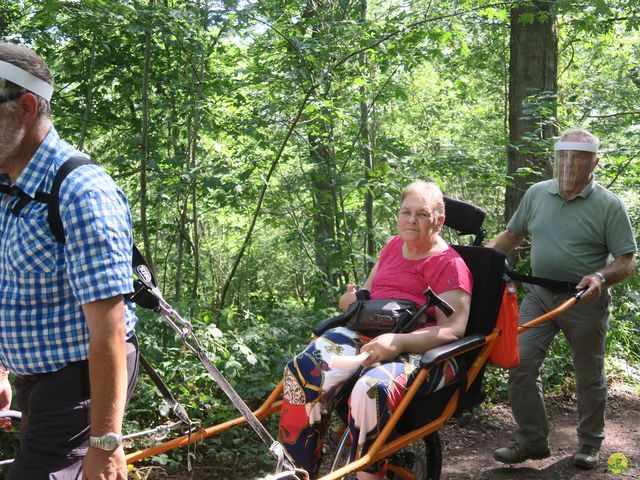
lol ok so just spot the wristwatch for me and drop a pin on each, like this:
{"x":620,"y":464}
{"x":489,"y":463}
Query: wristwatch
{"x":600,"y":275}
{"x":109,"y":441}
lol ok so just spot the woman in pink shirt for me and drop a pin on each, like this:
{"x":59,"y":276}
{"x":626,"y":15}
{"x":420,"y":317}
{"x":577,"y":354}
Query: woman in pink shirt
{"x":417,"y":258}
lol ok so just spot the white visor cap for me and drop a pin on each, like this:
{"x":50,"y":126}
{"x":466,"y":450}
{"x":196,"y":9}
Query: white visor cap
{"x":580,"y":146}
{"x":26,"y":80}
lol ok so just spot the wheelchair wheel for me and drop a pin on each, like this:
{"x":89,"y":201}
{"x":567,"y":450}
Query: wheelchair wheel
{"x":422,"y":460}
{"x":341,"y":455}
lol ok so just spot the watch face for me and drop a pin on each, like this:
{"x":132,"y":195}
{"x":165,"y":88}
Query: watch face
{"x":110,"y":441}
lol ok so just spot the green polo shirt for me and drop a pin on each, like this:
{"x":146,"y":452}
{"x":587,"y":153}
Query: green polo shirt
{"x":571,"y":239}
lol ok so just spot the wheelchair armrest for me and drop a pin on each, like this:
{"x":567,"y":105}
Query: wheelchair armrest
{"x":450,"y":350}
{"x":328,"y":323}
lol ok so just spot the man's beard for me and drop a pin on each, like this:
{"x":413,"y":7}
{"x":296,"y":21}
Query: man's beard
{"x":11,"y":137}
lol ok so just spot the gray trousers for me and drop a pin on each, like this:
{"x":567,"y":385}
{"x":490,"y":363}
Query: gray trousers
{"x":54,"y":430}
{"x":585,"y":327}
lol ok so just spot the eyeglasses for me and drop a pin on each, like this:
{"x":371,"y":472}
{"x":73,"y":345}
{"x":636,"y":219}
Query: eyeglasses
{"x":10,"y":97}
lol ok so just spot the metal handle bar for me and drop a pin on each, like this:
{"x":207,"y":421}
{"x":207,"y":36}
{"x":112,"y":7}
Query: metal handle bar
{"x":184,"y":329}
{"x":566,"y":305}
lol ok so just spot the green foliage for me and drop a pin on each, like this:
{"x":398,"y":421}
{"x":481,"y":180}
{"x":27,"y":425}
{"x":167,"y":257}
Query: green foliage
{"x":226,"y":81}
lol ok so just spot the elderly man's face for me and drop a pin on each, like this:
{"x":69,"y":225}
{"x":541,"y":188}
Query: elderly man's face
{"x":574,"y":169}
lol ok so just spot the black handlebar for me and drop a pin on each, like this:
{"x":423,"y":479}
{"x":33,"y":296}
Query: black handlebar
{"x":436,"y":301}
{"x":432,"y":300}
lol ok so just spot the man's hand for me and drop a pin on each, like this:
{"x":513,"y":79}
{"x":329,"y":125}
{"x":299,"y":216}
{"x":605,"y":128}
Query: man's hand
{"x":103,"y":465}
{"x":593,"y":286}
{"x":620,"y":268}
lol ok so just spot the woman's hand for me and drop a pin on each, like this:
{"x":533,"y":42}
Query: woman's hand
{"x":348,"y":297}
{"x":5,"y":400}
{"x":383,"y":348}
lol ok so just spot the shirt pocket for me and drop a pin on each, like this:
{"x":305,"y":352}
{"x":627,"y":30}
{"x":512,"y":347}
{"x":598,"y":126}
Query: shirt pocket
{"x":33,"y":248}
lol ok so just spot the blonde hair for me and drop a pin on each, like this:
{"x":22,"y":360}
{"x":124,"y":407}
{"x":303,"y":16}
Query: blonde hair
{"x":428,"y":189}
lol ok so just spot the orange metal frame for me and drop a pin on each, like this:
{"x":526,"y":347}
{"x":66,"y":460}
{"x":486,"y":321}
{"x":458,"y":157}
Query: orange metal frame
{"x":380,"y":448}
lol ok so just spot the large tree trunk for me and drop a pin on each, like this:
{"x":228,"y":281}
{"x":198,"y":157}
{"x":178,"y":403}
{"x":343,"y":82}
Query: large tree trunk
{"x":194,"y":161}
{"x":533,"y":69}
{"x":368,"y":141}
{"x":323,"y":179}
{"x":322,"y":183}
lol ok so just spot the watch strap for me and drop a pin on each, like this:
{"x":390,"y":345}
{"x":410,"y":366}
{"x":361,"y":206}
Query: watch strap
{"x":109,"y":441}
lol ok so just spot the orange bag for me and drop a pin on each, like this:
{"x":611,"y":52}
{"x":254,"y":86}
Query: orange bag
{"x":505,"y":353}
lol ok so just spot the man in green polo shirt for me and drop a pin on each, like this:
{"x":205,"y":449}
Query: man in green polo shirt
{"x":580,"y":232}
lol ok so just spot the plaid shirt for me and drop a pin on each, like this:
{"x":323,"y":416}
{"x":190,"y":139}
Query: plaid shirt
{"x":43,"y":283}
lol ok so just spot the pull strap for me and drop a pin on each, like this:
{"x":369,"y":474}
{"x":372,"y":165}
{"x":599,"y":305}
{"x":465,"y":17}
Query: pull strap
{"x":556,"y":286}
{"x":175,"y":406}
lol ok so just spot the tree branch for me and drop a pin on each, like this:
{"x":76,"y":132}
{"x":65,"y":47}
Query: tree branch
{"x":256,"y":213}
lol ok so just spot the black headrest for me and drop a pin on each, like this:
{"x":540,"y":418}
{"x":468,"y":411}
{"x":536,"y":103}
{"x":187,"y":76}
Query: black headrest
{"x":463,"y":217}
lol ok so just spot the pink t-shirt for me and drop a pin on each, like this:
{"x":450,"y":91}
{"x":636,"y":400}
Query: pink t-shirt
{"x":398,"y":277}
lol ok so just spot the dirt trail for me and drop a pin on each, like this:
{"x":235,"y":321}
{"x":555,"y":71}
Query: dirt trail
{"x":469,"y":443}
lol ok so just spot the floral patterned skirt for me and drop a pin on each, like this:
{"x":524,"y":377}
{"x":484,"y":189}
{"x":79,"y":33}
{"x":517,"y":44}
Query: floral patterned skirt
{"x":311,"y":388}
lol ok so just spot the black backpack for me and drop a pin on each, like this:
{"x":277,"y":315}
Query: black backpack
{"x":141,"y":294}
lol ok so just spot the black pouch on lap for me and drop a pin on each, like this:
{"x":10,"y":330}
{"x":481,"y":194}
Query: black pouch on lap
{"x":375,"y":317}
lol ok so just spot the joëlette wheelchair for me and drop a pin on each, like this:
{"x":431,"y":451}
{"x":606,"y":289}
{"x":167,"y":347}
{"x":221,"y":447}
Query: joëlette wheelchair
{"x":410,"y":441}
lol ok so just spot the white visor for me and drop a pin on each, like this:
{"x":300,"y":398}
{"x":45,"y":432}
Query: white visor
{"x":580,"y":146}
{"x":26,"y":80}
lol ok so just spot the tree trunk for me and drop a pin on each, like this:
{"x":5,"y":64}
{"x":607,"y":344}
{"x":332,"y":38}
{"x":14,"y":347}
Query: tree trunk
{"x":254,"y":219}
{"x":194,"y":163}
{"x":323,"y":177}
{"x":144,"y":144}
{"x":533,"y":68}
{"x":180,"y":246}
{"x":367,"y":141}
{"x":322,"y":183}
{"x":89,"y":103}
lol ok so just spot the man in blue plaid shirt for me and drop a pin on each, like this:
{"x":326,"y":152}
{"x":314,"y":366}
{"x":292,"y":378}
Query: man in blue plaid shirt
{"x":66,"y":332}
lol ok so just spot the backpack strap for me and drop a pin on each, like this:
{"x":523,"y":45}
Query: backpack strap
{"x":53,"y":213}
{"x":23,"y":198}
{"x":141,"y":294}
